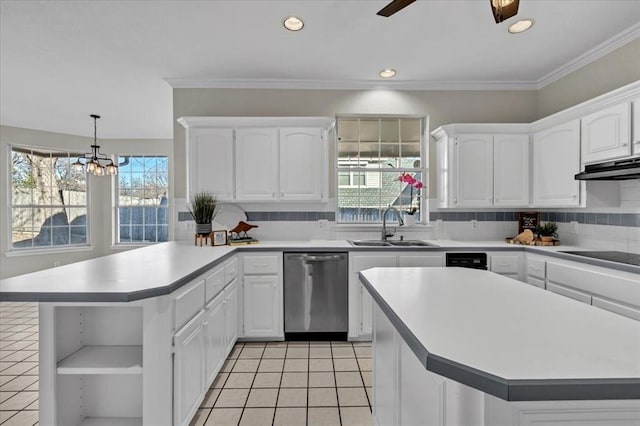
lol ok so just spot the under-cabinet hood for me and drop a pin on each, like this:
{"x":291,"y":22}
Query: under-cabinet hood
{"x":625,"y":169}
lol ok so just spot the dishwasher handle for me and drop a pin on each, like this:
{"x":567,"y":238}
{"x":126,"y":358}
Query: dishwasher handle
{"x":321,"y":258}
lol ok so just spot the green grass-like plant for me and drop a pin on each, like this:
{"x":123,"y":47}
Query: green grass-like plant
{"x":548,"y":229}
{"x":204,"y":207}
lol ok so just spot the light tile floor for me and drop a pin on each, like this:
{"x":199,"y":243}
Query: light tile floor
{"x":294,"y":383}
{"x":18,"y":364}
{"x":274,"y":383}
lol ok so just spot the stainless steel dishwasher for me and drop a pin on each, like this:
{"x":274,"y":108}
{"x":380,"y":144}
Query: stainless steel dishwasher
{"x":316,"y":296}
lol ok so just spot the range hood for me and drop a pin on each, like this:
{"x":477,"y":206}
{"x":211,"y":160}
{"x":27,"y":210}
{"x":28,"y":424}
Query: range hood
{"x":625,"y":169}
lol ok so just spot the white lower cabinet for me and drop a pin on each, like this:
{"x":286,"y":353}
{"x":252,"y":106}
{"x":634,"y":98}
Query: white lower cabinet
{"x":215,"y":336}
{"x":263,"y":314}
{"x":230,"y":315}
{"x":507,"y":264}
{"x":360,"y":302}
{"x":189,"y":369}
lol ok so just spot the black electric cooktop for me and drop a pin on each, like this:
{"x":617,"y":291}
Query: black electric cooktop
{"x":612,"y":256}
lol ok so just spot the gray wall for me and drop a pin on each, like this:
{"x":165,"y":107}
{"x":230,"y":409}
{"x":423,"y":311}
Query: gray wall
{"x":100,"y":201}
{"x":442,"y":107}
{"x":617,"y":69}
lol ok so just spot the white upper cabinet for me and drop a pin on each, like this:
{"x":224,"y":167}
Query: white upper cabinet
{"x":474,"y":167}
{"x":301,"y":164}
{"x":210,"y":162}
{"x":256,"y":164}
{"x":636,"y":126}
{"x":482,"y":169}
{"x":606,"y":134}
{"x":510,"y":170}
{"x":556,"y":160}
{"x":258,"y":158}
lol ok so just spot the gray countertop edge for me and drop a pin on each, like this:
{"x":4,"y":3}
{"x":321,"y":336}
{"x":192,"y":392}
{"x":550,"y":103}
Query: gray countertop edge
{"x":111,"y":297}
{"x":160,"y":291}
{"x":508,"y":389}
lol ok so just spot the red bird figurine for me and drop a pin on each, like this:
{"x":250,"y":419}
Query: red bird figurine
{"x":241,"y":229}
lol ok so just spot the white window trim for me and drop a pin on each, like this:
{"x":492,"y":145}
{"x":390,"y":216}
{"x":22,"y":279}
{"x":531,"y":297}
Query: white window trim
{"x":424,"y":170}
{"x":116,"y":243}
{"x":40,"y":250}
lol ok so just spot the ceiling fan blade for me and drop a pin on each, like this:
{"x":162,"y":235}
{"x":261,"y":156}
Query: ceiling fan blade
{"x":393,"y":7}
{"x":506,"y":12}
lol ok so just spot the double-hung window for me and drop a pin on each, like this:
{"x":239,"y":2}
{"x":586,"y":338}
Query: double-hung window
{"x":142,"y":199}
{"x":48,"y":207}
{"x":380,"y":163}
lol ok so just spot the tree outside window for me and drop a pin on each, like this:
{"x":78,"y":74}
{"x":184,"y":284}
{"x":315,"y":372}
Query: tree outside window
{"x":48,"y":199}
{"x":373,"y":154}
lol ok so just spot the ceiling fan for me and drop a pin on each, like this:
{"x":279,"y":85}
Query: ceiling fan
{"x":501,"y":9}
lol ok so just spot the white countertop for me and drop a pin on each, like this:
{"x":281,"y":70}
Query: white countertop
{"x":162,"y":268}
{"x":501,"y":327}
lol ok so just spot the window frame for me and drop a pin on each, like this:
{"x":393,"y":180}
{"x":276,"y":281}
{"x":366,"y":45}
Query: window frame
{"x":116,"y":206}
{"x":52,"y":248}
{"x":423,"y":169}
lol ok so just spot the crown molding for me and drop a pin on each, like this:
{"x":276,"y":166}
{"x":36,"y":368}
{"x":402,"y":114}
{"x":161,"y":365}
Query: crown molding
{"x":182,"y":83}
{"x":628,"y":35}
{"x":615,"y":42}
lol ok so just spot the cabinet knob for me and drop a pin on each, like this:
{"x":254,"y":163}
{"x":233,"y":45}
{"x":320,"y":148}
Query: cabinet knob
{"x":624,"y":144}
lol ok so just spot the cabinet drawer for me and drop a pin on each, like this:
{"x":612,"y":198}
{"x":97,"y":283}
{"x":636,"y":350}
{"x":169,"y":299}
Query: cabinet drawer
{"x":188,"y":302}
{"x":362,"y":263}
{"x":536,"y":268}
{"x":504,"y":264}
{"x":214,"y":283}
{"x":261,"y":264}
{"x":535,"y":281}
{"x":231,"y":270}
{"x":420,"y":260}
{"x":618,"y":308}
{"x":565,"y":291}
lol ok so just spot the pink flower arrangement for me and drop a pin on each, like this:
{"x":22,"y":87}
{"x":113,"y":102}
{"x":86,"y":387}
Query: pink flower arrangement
{"x":412,"y":183}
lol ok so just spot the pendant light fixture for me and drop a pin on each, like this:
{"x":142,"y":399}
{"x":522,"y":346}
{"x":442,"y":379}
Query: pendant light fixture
{"x":95,"y":162}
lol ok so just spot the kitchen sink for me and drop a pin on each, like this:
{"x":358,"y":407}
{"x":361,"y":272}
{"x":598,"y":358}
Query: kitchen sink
{"x":391,"y":243}
{"x":370,"y":243}
{"x":411,"y":243}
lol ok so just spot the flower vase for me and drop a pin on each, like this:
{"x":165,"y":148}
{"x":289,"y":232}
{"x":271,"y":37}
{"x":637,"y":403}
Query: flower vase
{"x":409,"y":220}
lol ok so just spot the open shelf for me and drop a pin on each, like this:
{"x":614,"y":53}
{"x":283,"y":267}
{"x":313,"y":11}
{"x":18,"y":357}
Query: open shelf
{"x":111,"y":421}
{"x":107,"y":359}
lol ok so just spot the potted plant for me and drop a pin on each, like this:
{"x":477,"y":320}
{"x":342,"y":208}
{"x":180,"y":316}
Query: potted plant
{"x":204,"y":208}
{"x":547,"y":231}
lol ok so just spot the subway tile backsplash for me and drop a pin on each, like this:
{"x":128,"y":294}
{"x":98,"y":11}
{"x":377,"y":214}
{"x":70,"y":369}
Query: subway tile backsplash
{"x":617,"y":219}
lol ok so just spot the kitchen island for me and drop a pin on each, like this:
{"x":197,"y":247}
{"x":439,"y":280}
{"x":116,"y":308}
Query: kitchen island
{"x":475,"y":348}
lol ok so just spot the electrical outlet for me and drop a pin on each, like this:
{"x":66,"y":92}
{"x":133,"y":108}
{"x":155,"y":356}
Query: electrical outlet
{"x":574,"y":227}
{"x":56,"y":264}
{"x":474,"y":224}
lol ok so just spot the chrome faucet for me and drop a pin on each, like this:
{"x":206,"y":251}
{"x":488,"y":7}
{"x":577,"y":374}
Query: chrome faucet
{"x":384,"y":222}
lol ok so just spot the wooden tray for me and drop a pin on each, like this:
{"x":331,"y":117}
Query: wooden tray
{"x":535,"y":242}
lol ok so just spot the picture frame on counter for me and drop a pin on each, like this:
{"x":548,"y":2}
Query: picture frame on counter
{"x":219,"y":238}
{"x":528,"y":220}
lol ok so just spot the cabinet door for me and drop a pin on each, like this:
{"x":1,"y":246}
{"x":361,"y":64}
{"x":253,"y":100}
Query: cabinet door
{"x":262,"y":306}
{"x":511,"y":170}
{"x":443,"y":172}
{"x":189,"y":370}
{"x":606,"y":134}
{"x":385,"y":371}
{"x":556,"y":160}
{"x":474,"y":171}
{"x":256,"y":164}
{"x":210,"y":162}
{"x":215,"y":342}
{"x":231,"y":315}
{"x":636,"y":126}
{"x":301,"y":165}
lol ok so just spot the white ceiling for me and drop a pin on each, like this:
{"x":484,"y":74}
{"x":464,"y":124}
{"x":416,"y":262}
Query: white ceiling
{"x":63,"y":60}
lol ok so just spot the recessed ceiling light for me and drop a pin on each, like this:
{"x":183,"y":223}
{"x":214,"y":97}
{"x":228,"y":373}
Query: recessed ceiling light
{"x":521,"y":26}
{"x":388,"y":73}
{"x":293,"y":23}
